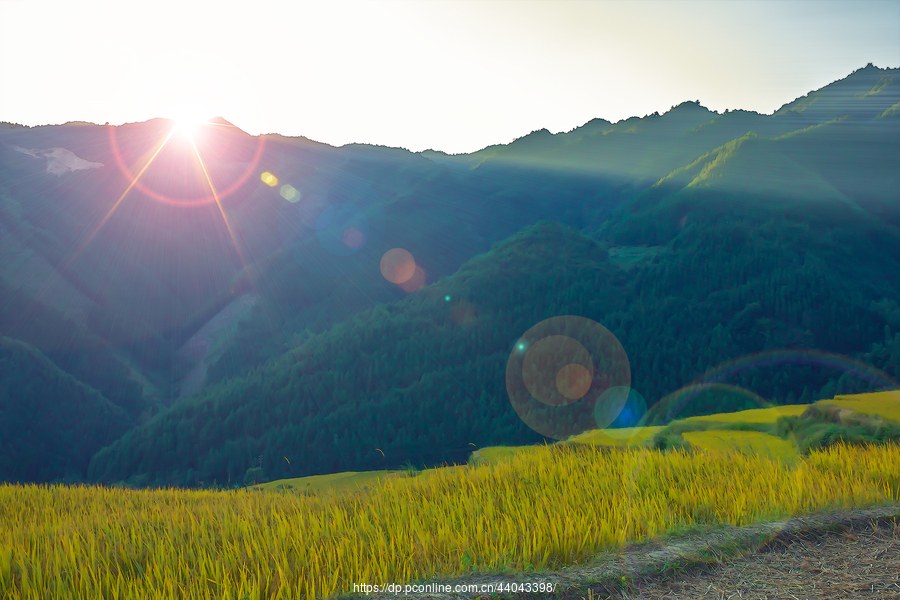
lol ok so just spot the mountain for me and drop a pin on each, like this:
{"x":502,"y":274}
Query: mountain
{"x":721,"y":235}
{"x":50,"y":423}
{"x":391,"y":377}
{"x":865,"y":94}
{"x":425,"y":378}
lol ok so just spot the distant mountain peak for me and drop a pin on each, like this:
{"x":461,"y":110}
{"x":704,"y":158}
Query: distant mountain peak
{"x":539,"y":132}
{"x":864,"y":93}
{"x":689,"y":104}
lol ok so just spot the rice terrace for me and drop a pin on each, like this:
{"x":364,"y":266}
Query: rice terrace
{"x":518,"y":512}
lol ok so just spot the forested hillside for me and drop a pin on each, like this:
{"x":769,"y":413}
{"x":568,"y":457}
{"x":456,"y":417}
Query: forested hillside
{"x":50,"y":423}
{"x":757,"y":252}
{"x":84,"y":356}
{"x":422,"y":379}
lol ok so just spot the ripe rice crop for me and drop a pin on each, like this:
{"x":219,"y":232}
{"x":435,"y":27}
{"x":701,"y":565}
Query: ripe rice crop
{"x":626,"y":436}
{"x":755,"y":415}
{"x":539,"y":510}
{"x":883,"y":404}
{"x":752,"y":442}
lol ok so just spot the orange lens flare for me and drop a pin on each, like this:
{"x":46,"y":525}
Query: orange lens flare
{"x":398,"y":266}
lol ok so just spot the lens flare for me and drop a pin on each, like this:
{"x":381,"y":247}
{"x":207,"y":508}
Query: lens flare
{"x":223,"y":191}
{"x":622,"y":414}
{"x":332,"y":226}
{"x":859,"y":370}
{"x":557,"y":374}
{"x":573,"y":381}
{"x":290,"y":193}
{"x":556,"y":360}
{"x":463,"y":313}
{"x":342,"y":228}
{"x":268,"y":179}
{"x":705,"y":398}
{"x":398,"y":265}
{"x":188,"y":125}
{"x":414,"y":283}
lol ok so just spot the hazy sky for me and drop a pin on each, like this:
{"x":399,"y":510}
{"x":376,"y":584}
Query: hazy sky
{"x":454,"y":76}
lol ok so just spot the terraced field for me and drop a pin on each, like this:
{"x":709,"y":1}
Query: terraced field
{"x":756,"y":415}
{"x":747,"y":442}
{"x":715,"y":434}
{"x":882,"y":404}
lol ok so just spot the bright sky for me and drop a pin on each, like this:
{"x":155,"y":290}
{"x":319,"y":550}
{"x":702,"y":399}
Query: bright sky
{"x":454,"y":76}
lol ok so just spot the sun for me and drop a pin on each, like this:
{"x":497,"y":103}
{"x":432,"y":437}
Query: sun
{"x":187,"y":123}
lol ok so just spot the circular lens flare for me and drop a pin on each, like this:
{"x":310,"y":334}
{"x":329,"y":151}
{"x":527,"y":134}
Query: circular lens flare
{"x":414,"y":283}
{"x":133,"y":174}
{"x":557,"y":372}
{"x":398,"y":265}
{"x":631,"y":418}
{"x":561,"y":357}
{"x":342,"y":228}
{"x":573,"y":381}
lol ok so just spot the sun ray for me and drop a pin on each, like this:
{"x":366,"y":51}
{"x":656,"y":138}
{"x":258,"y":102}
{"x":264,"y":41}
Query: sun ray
{"x":131,"y":184}
{"x":60,"y":273}
{"x":215,"y":195}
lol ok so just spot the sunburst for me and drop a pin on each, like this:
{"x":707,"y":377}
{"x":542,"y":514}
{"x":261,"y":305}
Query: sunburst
{"x":188,"y":123}
{"x":189,"y":127}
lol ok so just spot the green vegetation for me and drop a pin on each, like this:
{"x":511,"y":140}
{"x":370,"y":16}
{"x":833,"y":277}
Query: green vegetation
{"x":762,"y":432}
{"x":823,"y":425}
{"x":80,"y":354}
{"x":330,"y":403}
{"x":324,"y":484}
{"x":40,"y":436}
{"x":621,"y":437}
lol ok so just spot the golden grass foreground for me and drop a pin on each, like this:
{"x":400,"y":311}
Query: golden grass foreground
{"x":539,"y":510}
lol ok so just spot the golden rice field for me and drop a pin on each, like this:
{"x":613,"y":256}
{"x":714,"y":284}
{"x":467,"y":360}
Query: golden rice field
{"x":318,"y":484}
{"x":495,"y":454}
{"x":624,"y":437}
{"x":536,"y":510}
{"x":884,"y":404}
{"x":748,"y":442}
{"x":755,"y":415}
{"x":346,"y":481}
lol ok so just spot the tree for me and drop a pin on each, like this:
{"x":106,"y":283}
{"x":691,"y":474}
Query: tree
{"x":254,"y":476}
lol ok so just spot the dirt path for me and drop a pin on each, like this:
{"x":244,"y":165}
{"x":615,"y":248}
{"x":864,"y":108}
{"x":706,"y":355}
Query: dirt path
{"x":862,"y":561}
{"x":834,"y":555}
